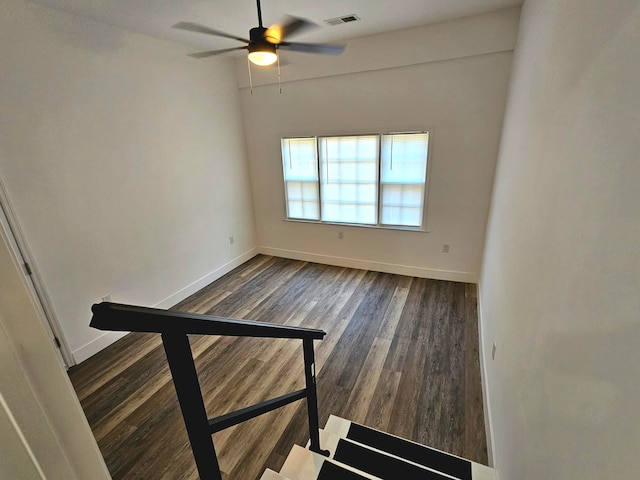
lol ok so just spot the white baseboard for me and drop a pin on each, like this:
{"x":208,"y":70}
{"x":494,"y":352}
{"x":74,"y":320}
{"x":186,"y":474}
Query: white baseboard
{"x":488,"y":422}
{"x":107,"y":338}
{"x":192,"y":288}
{"x":411,"y":271}
{"x":94,"y":346}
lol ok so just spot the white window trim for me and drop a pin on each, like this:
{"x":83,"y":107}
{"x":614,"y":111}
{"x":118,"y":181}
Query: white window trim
{"x":424,"y":228}
{"x":401,"y":228}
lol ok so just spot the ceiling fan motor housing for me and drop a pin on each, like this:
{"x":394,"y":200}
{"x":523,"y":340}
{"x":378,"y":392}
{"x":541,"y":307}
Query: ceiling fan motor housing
{"x":257,"y":34}
{"x":259,"y":42}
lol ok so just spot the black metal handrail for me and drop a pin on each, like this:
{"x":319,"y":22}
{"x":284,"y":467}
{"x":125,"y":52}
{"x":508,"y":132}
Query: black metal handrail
{"x":131,"y":318}
{"x":174,"y":328}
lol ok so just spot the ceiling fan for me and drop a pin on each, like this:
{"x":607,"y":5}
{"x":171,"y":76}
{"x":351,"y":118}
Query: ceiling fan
{"x":264,"y":42}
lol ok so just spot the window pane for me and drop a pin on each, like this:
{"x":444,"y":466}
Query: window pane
{"x":299,"y":159}
{"x":404,"y":158}
{"x":302,"y":200}
{"x":402,"y":205}
{"x":349,"y":213}
{"x":403,"y":171}
{"x":300,"y":167}
{"x":348,"y":175}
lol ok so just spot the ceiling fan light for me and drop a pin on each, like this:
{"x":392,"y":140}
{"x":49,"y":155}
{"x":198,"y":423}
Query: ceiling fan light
{"x":263,"y":55}
{"x":263,"y":59}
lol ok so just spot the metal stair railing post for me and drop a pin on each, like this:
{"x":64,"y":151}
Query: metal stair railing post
{"x":312,"y":397}
{"x":174,"y":328}
{"x":185,"y":380}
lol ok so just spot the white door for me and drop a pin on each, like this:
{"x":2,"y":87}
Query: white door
{"x":10,"y":230}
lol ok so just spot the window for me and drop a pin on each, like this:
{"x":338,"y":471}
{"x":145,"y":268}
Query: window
{"x":300,"y":164}
{"x":349,"y":179}
{"x":402,"y":178}
{"x":376,"y":180}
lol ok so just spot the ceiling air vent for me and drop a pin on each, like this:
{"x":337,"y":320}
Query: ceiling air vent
{"x":343,"y":19}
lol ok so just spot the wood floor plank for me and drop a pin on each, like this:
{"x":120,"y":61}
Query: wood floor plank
{"x":383,"y":400}
{"x":204,"y":299}
{"x":356,"y":341}
{"x":400,"y":354}
{"x":391,"y":317}
{"x":433,"y":403}
{"x":97,"y":371}
{"x":475,"y":435}
{"x":364,"y":387}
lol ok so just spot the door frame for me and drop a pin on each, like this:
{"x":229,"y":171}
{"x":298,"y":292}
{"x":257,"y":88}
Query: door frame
{"x":19,"y":249}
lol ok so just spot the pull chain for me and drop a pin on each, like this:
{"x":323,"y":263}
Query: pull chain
{"x":250,"y":80}
{"x":279,"y":82}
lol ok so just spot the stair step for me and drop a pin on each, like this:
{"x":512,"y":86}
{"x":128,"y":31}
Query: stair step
{"x":303,"y":464}
{"x":445,"y":463}
{"x":360,"y":453}
{"x":375,"y":462}
{"x":271,"y":475}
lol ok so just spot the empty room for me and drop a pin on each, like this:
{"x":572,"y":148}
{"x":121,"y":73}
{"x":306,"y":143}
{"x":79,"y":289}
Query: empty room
{"x":326,"y":225}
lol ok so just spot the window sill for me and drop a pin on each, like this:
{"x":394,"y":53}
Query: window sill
{"x":359,"y":225}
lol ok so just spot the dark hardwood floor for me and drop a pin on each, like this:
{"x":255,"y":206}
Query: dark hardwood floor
{"x":400,"y":355}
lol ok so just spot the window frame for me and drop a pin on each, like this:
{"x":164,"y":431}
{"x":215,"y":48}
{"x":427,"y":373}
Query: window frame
{"x":322,"y":175}
{"x":423,"y":227}
{"x":285,"y":181}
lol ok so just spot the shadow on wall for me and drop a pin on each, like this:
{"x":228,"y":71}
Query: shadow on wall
{"x":99,"y":37}
{"x":588,"y":396}
{"x":86,"y":35}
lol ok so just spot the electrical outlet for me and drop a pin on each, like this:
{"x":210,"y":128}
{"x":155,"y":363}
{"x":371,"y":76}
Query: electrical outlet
{"x":106,"y":298}
{"x":231,"y":240}
{"x":493,"y":351}
{"x":445,"y":248}
{"x":340,"y":235}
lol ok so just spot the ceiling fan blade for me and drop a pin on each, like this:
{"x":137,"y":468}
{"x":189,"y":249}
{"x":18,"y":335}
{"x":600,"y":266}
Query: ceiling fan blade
{"x":211,"y":53}
{"x":278,"y":32}
{"x":322,"y":48}
{"x":194,"y":27}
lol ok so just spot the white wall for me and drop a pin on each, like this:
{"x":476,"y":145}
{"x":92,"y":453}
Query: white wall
{"x":560,"y":284}
{"x":125,"y":163}
{"x":451,"y":78}
{"x":43,"y":432}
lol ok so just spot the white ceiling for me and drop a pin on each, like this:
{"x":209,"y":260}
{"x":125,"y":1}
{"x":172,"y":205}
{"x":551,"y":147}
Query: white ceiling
{"x":155,"y":17}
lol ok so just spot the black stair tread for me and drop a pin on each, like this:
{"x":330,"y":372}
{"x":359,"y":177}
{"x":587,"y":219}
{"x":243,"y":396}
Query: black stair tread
{"x":443,"y":462}
{"x":303,"y":463}
{"x":381,"y":465}
{"x":331,"y":471}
